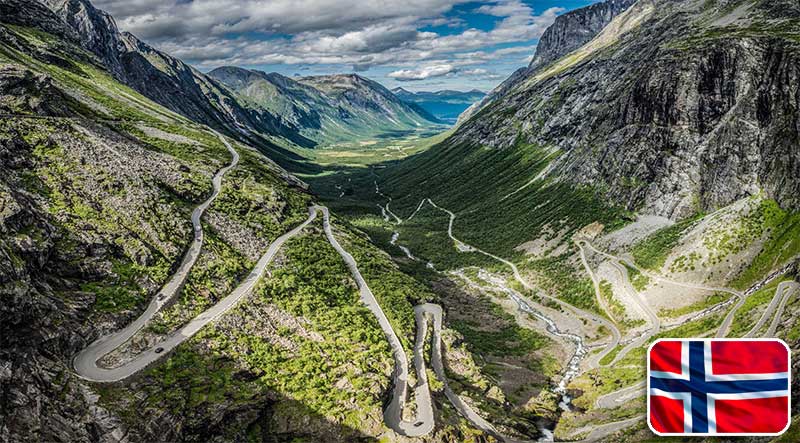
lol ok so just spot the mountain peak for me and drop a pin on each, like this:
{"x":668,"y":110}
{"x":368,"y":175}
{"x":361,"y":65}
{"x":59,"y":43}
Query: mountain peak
{"x":572,"y":30}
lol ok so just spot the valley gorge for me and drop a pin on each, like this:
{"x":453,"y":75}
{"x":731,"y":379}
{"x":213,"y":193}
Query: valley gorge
{"x":232,"y":254}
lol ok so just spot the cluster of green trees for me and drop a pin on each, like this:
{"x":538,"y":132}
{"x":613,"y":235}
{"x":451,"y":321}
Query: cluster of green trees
{"x":217,"y":271}
{"x":558,"y":276}
{"x":639,"y":281}
{"x":396,"y":291}
{"x":333,"y":361}
{"x":257,"y":199}
{"x":652,"y":252}
{"x":343,"y":375}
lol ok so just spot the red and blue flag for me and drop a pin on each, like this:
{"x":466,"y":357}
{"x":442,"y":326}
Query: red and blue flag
{"x":718,"y":387}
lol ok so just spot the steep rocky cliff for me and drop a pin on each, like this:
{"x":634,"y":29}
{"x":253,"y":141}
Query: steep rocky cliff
{"x":675,"y":107}
{"x":572,"y":30}
{"x":568,"y":32}
{"x":169,"y":81}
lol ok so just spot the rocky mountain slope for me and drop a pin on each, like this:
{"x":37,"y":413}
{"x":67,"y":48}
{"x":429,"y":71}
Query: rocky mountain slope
{"x":97,"y":186}
{"x":568,"y":32}
{"x":703,"y":96}
{"x":328,"y":109}
{"x":573,"y":29}
{"x":445,"y":105}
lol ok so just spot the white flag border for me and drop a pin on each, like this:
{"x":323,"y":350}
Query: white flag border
{"x":707,"y":342}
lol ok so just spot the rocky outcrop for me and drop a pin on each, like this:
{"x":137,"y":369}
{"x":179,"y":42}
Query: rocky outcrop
{"x":36,"y":15}
{"x":96,"y":29}
{"x":574,"y":29}
{"x":568,"y":32}
{"x":674,"y":116}
{"x":31,"y":93}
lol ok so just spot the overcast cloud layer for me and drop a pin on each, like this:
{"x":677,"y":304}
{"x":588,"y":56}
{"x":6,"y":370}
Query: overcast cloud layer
{"x":422,"y":43}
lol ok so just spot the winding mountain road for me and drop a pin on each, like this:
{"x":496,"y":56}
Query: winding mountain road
{"x":777,"y":319}
{"x":782,"y":294}
{"x":724,"y":327}
{"x":393,"y":414}
{"x":85,"y":362}
{"x":424,"y":422}
{"x":608,"y":401}
{"x":435,"y":311}
{"x":598,"y":432}
{"x":615,"y":335}
{"x":655,"y":321}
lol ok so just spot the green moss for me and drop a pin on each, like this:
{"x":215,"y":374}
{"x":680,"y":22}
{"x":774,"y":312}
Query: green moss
{"x":685,"y":263}
{"x":396,"y":291}
{"x":256,"y":198}
{"x":696,"y":328}
{"x":603,"y":381}
{"x":315,"y":285}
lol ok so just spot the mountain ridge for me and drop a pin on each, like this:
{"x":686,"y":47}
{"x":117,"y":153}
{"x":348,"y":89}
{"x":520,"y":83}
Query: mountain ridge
{"x":568,"y":32}
{"x":328,"y":109}
{"x":688,"y":124}
{"x":444,"y":104}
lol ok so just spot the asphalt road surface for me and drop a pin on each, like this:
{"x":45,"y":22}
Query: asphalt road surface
{"x":85,"y":362}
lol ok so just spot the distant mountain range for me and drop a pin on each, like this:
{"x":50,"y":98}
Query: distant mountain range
{"x":259,"y":107}
{"x":646,"y":164}
{"x":326,"y":109}
{"x":445,"y":105}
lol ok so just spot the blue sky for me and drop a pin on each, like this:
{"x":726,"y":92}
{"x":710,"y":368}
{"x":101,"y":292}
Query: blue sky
{"x":416,"y":44}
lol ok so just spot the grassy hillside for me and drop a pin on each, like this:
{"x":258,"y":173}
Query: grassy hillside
{"x":99,"y":183}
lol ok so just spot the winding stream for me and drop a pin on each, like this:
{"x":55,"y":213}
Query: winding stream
{"x":581,"y":351}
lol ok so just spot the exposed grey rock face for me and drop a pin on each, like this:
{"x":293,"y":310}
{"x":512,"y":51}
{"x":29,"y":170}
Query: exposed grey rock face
{"x":572,"y":30}
{"x":36,"y":15}
{"x":678,"y":115}
{"x":165,"y":79}
{"x":569,"y":32}
{"x":97,"y":30}
{"x":498,"y":91}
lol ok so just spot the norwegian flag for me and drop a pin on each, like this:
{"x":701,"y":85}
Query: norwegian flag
{"x":718,"y":387}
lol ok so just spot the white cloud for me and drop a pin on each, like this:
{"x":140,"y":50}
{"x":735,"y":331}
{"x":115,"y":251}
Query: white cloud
{"x":422,"y":73}
{"x":357,"y":33}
